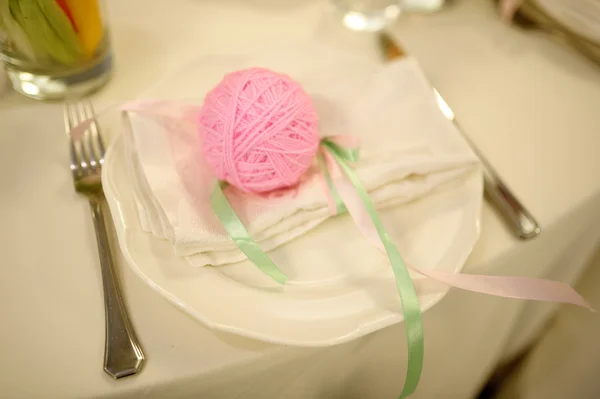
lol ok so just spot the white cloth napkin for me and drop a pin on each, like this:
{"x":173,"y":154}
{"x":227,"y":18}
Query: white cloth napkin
{"x":408,"y":150}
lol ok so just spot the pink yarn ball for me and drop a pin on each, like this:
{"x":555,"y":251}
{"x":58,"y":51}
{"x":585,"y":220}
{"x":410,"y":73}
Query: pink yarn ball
{"x":259,"y":130}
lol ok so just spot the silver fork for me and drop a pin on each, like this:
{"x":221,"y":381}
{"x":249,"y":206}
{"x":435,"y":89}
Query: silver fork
{"x":123,"y":354}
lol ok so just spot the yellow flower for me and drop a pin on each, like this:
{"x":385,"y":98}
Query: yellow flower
{"x":88,"y":20}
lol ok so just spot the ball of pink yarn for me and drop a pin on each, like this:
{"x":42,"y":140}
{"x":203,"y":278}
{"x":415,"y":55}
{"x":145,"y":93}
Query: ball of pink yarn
{"x":259,"y":130}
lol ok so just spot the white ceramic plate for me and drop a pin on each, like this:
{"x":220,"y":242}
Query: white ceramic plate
{"x":444,"y":229}
{"x":324,"y":302}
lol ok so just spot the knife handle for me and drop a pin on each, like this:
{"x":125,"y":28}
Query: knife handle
{"x":514,"y":213}
{"x":519,"y":220}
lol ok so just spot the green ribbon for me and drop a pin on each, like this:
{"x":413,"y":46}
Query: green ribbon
{"x":340,"y":207}
{"x":237,"y":231}
{"x":408,"y":295}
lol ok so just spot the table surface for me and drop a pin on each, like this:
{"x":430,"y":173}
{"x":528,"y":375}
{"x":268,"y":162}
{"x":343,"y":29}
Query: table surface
{"x":536,"y":377}
{"x":528,"y":104}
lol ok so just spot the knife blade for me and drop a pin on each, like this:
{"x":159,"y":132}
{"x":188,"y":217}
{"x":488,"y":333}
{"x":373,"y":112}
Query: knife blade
{"x":520,"y":221}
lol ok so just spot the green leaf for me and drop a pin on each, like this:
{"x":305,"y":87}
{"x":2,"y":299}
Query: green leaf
{"x":17,"y":14}
{"x":61,"y":25}
{"x":17,"y":37}
{"x":42,"y":30}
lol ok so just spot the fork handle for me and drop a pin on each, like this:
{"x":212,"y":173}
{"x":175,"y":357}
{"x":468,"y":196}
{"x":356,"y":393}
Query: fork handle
{"x":123,"y":354}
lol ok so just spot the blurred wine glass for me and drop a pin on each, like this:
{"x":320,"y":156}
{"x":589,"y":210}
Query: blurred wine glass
{"x":368,"y":15}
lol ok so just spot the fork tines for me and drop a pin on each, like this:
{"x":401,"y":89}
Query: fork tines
{"x":87,"y":151}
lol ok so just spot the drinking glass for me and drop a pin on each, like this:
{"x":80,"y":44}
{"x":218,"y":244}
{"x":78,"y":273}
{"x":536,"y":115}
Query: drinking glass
{"x":368,"y":15}
{"x":424,"y":6}
{"x":55,"y":49}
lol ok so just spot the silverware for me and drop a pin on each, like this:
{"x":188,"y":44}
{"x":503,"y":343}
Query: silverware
{"x":530,"y":16}
{"x":123,"y":354}
{"x":520,"y":221}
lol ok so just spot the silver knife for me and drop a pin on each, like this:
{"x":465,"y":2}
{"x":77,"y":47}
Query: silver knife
{"x":517,"y":217}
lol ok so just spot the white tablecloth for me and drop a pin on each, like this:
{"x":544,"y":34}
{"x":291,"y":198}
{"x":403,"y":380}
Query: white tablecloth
{"x":566,"y":360}
{"x":530,"y":106}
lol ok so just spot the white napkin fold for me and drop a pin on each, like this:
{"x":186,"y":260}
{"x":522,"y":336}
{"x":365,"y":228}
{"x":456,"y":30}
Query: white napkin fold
{"x":408,"y":150}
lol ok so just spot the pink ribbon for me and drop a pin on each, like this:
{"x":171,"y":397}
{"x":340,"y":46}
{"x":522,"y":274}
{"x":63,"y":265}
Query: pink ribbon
{"x":507,"y":287}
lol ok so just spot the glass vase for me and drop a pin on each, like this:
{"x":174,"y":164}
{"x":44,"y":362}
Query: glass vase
{"x":55,"y":49}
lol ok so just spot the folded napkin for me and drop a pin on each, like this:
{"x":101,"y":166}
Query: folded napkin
{"x":408,"y":150}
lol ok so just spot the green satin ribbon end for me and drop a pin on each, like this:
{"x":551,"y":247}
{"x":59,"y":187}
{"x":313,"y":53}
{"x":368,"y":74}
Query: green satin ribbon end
{"x":408,"y":295}
{"x":238,"y":233}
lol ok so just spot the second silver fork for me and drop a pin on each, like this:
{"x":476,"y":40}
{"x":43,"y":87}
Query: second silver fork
{"x":123,"y":354}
